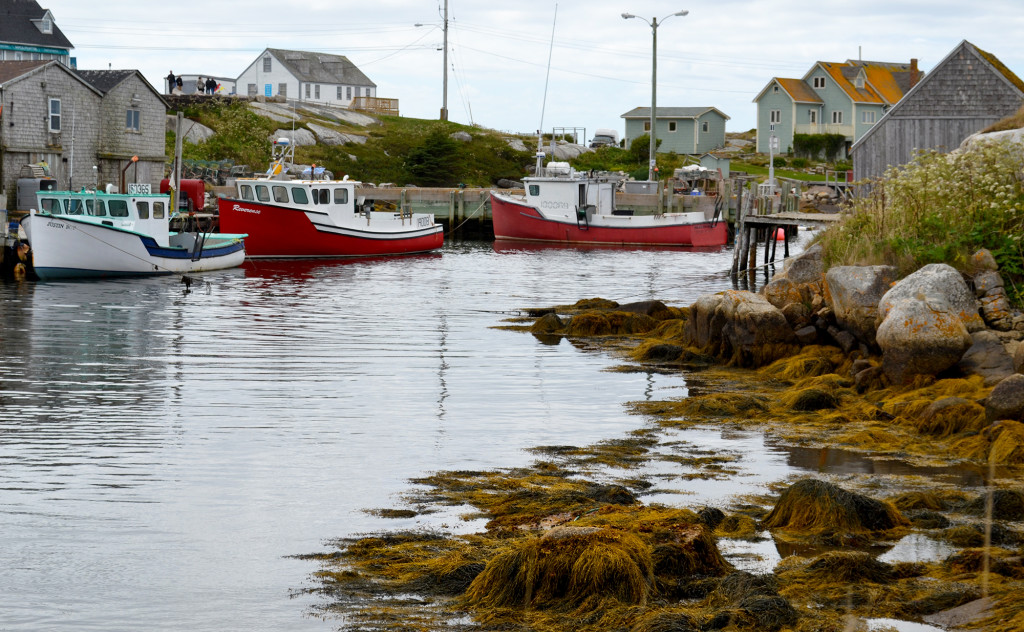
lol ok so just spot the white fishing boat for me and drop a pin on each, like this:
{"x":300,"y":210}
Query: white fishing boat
{"x":96,"y":234}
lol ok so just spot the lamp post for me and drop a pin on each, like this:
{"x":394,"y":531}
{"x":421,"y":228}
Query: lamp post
{"x":654,"y":82}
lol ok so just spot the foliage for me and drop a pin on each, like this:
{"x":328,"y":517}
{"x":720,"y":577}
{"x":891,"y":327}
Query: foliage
{"x":640,"y":148}
{"x":816,"y":145}
{"x":436,"y":162}
{"x":940,"y":208}
{"x":241,"y":135}
{"x":778,"y":161}
{"x":799,"y":163}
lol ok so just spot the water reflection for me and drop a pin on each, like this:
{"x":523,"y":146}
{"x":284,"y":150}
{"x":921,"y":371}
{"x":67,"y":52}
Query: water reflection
{"x":839,"y":461}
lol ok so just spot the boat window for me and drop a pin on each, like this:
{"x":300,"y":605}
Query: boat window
{"x":246,"y":192}
{"x":341,"y":196}
{"x":262,"y":194}
{"x":281,"y":194}
{"x":299,"y":195}
{"x":143,"y":208}
{"x":534,"y":189}
{"x":321,"y":196}
{"x":100,"y":209}
{"x":118,"y":208}
{"x":50,"y":205}
{"x":73,"y":206}
{"x":158,"y":210}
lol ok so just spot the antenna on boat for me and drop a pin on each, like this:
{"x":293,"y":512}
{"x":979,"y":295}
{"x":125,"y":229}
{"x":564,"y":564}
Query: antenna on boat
{"x":544,"y":101}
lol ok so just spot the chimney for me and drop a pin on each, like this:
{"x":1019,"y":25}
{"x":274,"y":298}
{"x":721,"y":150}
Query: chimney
{"x":914,"y":74}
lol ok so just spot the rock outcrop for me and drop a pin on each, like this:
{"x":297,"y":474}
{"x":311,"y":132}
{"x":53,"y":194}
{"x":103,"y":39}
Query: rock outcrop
{"x":741,"y":327}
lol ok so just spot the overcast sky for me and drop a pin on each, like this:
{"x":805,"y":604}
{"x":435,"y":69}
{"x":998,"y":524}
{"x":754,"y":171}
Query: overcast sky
{"x":720,"y":55}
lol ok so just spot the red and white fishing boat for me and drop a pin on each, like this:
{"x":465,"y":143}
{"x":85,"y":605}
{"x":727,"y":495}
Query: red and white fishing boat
{"x":562,"y":205}
{"x":318,"y":217}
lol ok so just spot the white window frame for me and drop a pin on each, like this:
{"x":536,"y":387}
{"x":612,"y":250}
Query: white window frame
{"x":867,"y":117}
{"x":53,"y":117}
{"x":671,"y":126}
{"x":705,"y":127}
{"x":307,"y":90}
{"x":348,"y":93}
{"x":339,"y":94}
{"x":316,"y":91}
{"x":819,"y":83}
{"x":774,"y":116}
{"x":267,"y":64}
{"x":837,"y":117}
{"x":133,"y":120}
{"x":812,"y":117}
{"x":647,"y":126}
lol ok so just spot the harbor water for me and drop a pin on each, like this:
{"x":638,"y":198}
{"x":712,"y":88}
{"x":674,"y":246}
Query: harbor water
{"x":167,"y":457}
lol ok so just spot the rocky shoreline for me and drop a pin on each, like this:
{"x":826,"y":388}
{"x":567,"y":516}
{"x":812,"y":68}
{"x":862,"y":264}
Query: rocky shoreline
{"x":924,"y":368}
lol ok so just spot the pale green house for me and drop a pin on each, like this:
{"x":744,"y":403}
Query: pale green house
{"x":845,"y":98}
{"x":691,"y":131}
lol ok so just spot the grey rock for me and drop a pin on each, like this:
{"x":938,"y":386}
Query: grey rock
{"x":987,"y":357}
{"x":986,"y":282}
{"x":461,"y":136}
{"x":328,"y":136}
{"x":739,"y":326}
{"x":854,"y":292}
{"x":192,"y":131}
{"x":1006,"y":400}
{"x":936,"y":281}
{"x":300,"y":137}
{"x":806,"y":335}
{"x":805,"y":268}
{"x":921,"y":337}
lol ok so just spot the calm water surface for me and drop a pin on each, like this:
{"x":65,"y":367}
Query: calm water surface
{"x":163,"y":454}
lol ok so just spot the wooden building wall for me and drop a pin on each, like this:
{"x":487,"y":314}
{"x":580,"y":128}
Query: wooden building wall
{"x":960,"y":97}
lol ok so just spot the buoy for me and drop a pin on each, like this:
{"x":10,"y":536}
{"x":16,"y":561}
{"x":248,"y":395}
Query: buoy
{"x":780,"y":234}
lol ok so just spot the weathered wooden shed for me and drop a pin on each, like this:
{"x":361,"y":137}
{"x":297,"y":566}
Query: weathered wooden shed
{"x":967,"y":91}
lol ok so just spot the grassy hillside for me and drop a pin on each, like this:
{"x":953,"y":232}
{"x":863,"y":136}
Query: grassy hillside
{"x":399,"y":150}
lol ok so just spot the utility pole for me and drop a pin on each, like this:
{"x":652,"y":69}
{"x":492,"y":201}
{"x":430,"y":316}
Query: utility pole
{"x":444,"y":102}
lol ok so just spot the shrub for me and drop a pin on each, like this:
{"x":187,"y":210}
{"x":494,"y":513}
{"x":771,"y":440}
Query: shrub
{"x":799,"y":163}
{"x":940,"y":208}
{"x":778,"y":161}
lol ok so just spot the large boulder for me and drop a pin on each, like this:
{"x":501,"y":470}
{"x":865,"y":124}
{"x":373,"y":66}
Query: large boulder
{"x":328,"y":136}
{"x":299,"y":137}
{"x":1006,"y":400}
{"x":936,"y":281}
{"x":739,"y":326}
{"x":921,"y":336}
{"x":987,"y":357}
{"x":805,"y":268}
{"x":853,"y":294}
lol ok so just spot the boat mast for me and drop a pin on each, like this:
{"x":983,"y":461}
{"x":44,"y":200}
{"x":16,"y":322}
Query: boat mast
{"x":544,"y":101}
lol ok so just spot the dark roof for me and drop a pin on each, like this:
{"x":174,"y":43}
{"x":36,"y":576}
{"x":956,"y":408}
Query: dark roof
{"x":670,"y":112}
{"x":105,"y":80}
{"x":16,"y":26}
{"x":13,"y":69}
{"x":321,"y":67}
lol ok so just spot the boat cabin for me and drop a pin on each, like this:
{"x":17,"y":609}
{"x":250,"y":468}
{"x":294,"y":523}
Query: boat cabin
{"x":146,"y":213}
{"x":562,"y":192}
{"x":314,"y":195}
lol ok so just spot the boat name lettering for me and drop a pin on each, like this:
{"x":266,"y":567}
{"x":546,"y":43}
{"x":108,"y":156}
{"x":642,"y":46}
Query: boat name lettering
{"x":53,"y":224}
{"x":423,"y":221}
{"x":242,"y":209}
{"x":550,"y":204}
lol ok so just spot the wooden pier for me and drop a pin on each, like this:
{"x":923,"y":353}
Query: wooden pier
{"x":759,"y":219}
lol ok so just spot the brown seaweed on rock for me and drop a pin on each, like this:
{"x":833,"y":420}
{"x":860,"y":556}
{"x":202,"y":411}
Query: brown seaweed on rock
{"x":812,"y":506}
{"x":565,"y":568}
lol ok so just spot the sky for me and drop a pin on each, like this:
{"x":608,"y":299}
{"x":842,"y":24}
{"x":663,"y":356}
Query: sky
{"x":537,"y":64}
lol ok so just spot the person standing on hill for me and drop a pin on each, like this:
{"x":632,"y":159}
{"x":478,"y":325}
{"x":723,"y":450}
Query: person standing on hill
{"x":170,"y":82}
{"x":179,"y":83}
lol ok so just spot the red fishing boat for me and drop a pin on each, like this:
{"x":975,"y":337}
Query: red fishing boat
{"x":319,"y":217}
{"x":562,"y":205}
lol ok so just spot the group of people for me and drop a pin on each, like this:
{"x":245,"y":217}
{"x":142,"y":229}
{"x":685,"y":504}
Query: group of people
{"x":175,"y":83}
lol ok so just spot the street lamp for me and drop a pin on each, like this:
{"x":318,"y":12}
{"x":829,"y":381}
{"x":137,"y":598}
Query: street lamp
{"x":654,"y":81}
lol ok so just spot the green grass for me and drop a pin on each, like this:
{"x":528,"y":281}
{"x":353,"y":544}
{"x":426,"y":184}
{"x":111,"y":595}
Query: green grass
{"x":757,"y":170}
